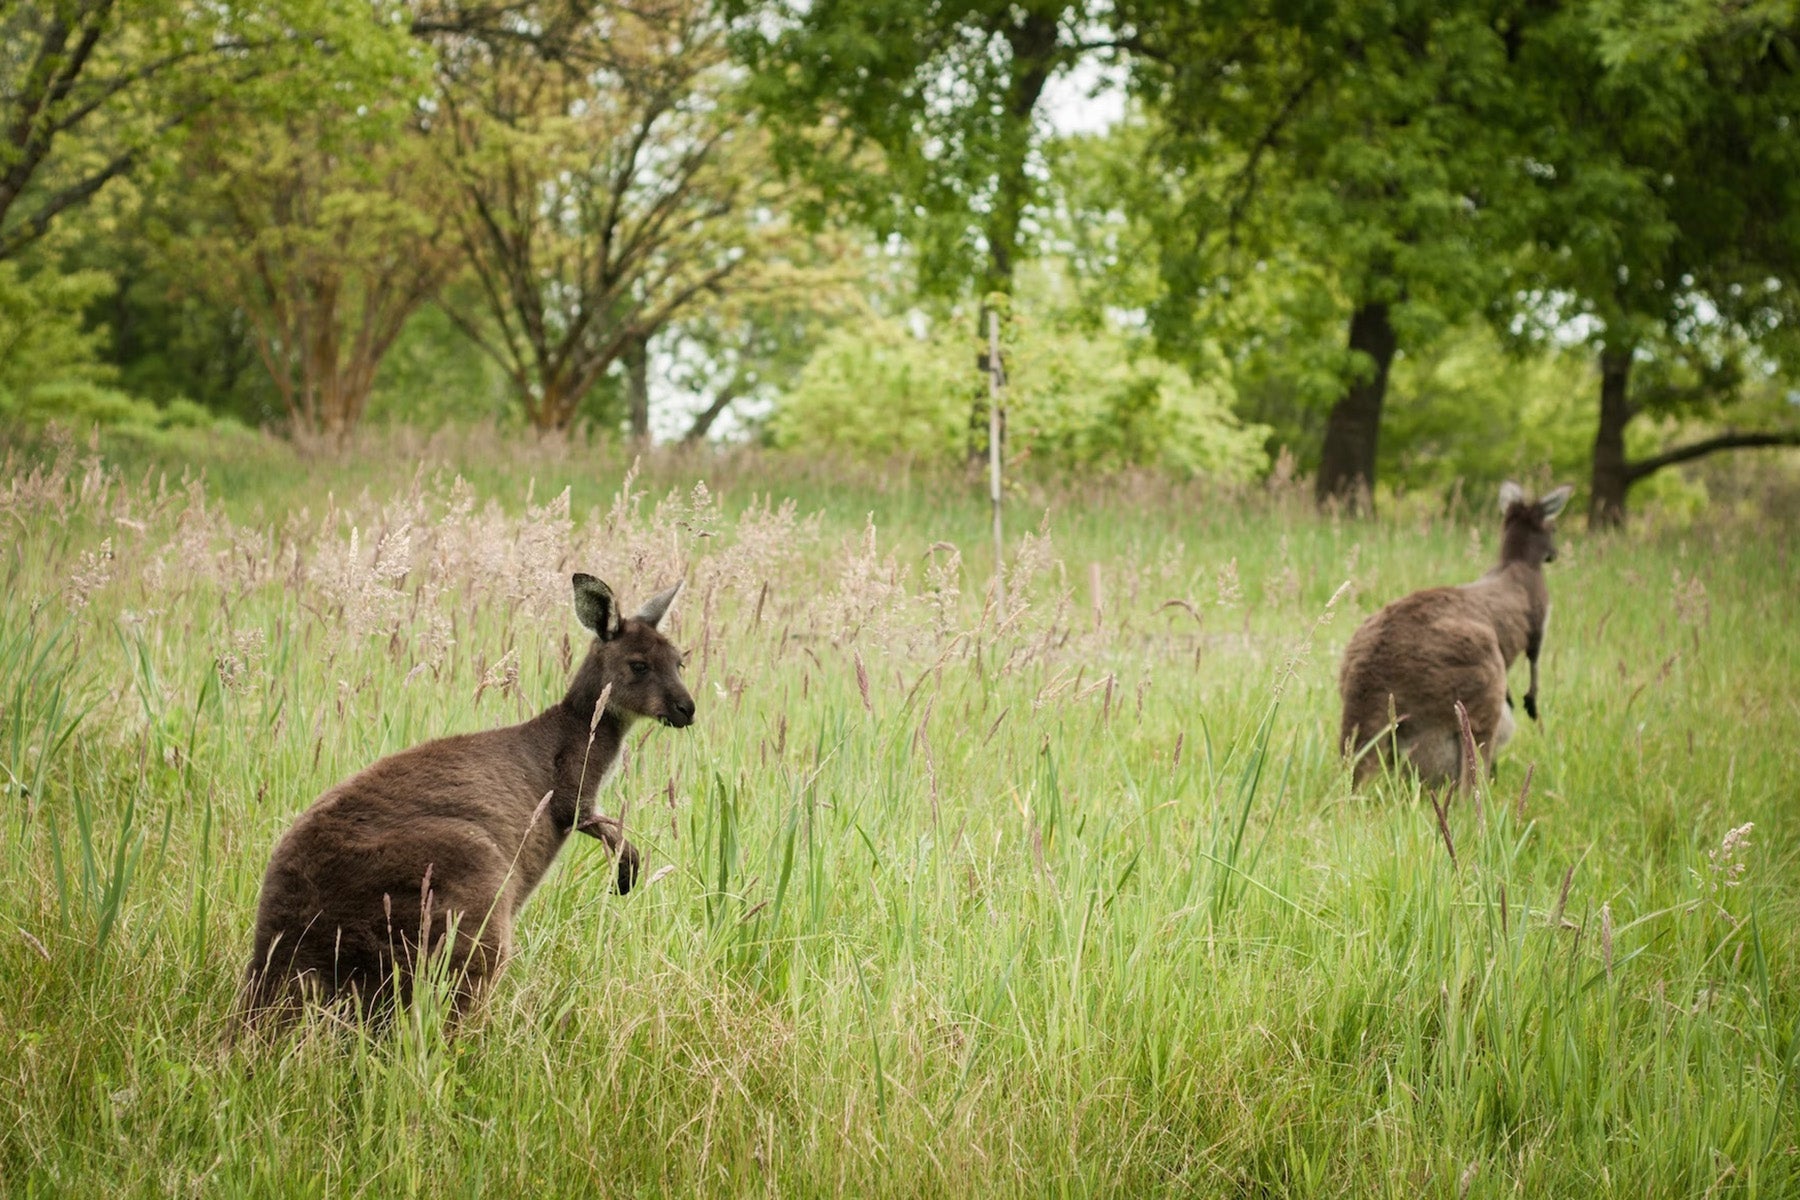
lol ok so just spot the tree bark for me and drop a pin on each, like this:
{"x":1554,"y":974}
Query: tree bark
{"x":1611,"y":477}
{"x":1032,"y":41}
{"x":637,"y":388}
{"x":1347,"y":464}
{"x":546,"y":411}
{"x":703,"y":421}
{"x":1711,"y":445}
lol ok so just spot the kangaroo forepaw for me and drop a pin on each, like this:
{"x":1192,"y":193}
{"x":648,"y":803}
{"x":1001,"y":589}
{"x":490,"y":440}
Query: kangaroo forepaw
{"x":1531,"y":705}
{"x":628,"y":867}
{"x":609,"y":831}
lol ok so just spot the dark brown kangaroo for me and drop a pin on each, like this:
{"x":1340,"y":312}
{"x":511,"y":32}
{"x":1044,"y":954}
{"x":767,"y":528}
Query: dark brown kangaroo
{"x":1414,"y":660}
{"x":458,"y":832}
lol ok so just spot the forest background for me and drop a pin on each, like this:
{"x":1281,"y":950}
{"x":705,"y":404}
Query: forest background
{"x":1391,"y":247}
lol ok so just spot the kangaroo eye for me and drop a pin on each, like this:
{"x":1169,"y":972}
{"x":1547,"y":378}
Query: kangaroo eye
{"x":640,"y":668}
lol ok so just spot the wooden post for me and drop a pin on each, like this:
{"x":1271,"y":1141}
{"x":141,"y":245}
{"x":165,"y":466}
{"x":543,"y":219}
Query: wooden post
{"x":996,"y":381}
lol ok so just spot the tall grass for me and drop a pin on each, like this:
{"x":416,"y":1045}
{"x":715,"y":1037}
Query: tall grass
{"x":1069,"y":897}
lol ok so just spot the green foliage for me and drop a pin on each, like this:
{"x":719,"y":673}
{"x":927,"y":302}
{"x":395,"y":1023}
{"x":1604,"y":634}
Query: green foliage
{"x":435,"y":376}
{"x":97,"y":91}
{"x":877,"y":390}
{"x":1667,"y":180}
{"x":1097,"y":398}
{"x":1352,"y":146}
{"x":1667,"y":170}
{"x":277,"y":189}
{"x":940,"y":105}
{"x":1464,"y":412}
{"x":327,"y":231}
{"x":80,"y":405}
{"x":50,"y":360}
{"x":171,"y":343}
{"x":749,"y":345}
{"x":1097,"y":236}
{"x":604,"y":187}
{"x":44,"y":339}
{"x":1078,"y":397}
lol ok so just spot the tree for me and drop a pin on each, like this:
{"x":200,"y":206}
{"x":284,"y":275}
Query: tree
{"x":923,"y":121}
{"x":169,"y":339}
{"x":753,"y":342}
{"x":1669,"y":187}
{"x":1358,"y":147}
{"x":90,"y":90}
{"x":42,"y":335}
{"x":602,"y":189}
{"x":945,"y":95}
{"x":327,"y":232}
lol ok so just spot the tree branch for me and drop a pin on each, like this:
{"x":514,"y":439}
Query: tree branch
{"x":703,"y":421}
{"x":1725,"y":441}
{"x":1246,"y":178}
{"x":38,"y":224}
{"x":1133,"y":44}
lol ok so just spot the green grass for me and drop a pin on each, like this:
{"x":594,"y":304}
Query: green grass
{"x":1074,"y":902}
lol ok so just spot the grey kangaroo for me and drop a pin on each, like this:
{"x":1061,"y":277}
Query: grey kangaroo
{"x":1416,"y":658}
{"x":458,"y":831}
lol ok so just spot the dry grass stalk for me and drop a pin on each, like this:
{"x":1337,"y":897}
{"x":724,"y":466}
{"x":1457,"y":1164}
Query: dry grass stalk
{"x":1562,"y":897}
{"x":1301,"y":651}
{"x":1442,"y":810}
{"x":35,"y":945}
{"x":1524,"y":791}
{"x":1606,"y":938}
{"x":862,"y":683}
{"x":1469,"y":778}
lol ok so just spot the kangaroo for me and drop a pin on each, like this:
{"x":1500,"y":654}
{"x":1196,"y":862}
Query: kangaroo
{"x":458,"y":831}
{"x":1407,"y":666}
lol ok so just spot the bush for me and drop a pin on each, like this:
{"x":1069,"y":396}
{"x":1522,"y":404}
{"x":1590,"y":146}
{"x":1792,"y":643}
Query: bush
{"x":81,"y":405}
{"x":50,"y":369}
{"x":876,"y":391}
{"x":43,"y":337}
{"x":1078,"y":397}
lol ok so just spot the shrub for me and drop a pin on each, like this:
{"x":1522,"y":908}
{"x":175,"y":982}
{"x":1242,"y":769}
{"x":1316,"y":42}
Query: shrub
{"x":43,"y":337}
{"x":1083,"y":397}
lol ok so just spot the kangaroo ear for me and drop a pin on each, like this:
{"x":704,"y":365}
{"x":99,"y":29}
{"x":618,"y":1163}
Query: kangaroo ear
{"x":595,"y":606}
{"x":1510,"y":494}
{"x":657,"y":606}
{"x":1553,"y":503}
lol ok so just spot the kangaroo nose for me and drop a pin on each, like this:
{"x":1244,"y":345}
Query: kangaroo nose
{"x":684,"y":711}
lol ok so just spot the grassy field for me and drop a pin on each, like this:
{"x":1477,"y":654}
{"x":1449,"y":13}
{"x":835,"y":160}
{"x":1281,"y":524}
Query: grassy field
{"x":1066,"y":899}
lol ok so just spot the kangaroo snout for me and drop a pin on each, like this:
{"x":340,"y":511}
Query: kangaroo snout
{"x":680,"y":712}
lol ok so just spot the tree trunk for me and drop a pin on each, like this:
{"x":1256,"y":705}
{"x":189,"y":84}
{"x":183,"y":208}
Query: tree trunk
{"x":1031,"y":37}
{"x":1032,"y":41}
{"x":637,"y":388}
{"x":1347,"y":465}
{"x":703,"y":421}
{"x":1611,"y":476}
{"x":547,"y":412}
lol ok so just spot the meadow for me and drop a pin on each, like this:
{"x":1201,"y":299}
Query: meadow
{"x":1065,"y":897}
